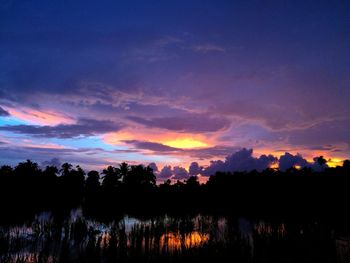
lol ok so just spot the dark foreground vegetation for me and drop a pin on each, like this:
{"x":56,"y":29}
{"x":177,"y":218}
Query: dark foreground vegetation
{"x":271,"y":216}
{"x":125,"y":189}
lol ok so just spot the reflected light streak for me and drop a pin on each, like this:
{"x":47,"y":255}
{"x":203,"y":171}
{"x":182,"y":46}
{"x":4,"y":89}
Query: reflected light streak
{"x":175,"y":241}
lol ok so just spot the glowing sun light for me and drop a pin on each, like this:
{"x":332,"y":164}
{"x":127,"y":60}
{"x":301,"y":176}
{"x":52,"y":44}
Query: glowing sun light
{"x":185,"y":143}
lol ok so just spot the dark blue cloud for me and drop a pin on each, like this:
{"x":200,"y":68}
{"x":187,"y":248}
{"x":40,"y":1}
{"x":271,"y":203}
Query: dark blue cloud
{"x":241,"y":160}
{"x":165,"y":173}
{"x":195,"y":123}
{"x":3,"y":113}
{"x":53,"y":162}
{"x":317,"y":166}
{"x":199,"y":153}
{"x":154,"y":167}
{"x":180,"y":173}
{"x":152,"y":146}
{"x":195,"y":169}
{"x":289,"y":160}
{"x":88,"y":157}
{"x":83,"y":127}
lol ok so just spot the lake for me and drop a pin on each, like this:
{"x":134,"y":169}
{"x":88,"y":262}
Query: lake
{"x":76,"y":238}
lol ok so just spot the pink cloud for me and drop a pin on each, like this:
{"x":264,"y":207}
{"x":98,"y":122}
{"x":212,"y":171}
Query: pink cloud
{"x":39,"y":117}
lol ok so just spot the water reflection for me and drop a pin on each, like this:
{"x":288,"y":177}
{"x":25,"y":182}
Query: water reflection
{"x":343,"y":249}
{"x":77,"y":239}
{"x":176,"y":241}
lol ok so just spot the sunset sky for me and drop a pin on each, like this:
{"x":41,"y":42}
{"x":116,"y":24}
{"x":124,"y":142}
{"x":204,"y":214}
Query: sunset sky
{"x":173,"y":82}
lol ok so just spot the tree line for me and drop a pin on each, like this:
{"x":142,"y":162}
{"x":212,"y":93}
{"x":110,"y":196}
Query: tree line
{"x":26,"y":188}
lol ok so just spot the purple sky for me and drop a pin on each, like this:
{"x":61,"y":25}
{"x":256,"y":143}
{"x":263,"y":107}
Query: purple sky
{"x":171,"y":82}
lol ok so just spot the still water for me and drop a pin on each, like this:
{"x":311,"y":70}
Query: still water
{"x":75,"y":238}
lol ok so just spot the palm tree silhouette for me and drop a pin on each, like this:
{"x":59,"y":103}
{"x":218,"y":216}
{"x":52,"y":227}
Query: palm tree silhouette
{"x":111,"y":178}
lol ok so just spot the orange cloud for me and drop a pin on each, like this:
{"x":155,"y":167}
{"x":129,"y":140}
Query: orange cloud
{"x":176,"y":140}
{"x":172,"y":139}
{"x":185,"y":143}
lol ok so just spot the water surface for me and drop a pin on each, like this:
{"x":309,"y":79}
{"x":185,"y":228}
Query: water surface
{"x":76,"y":238}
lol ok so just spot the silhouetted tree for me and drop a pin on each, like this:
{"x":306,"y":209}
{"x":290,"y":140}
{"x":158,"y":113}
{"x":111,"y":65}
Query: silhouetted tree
{"x":192,"y":182}
{"x":124,"y":169}
{"x":138,"y":175}
{"x":167,"y":182}
{"x":72,"y":181}
{"x":50,"y":171}
{"x":178,"y":185}
{"x":320,"y":160}
{"x":79,"y":171}
{"x":66,"y":169}
{"x":294,"y":190}
{"x":6,"y":171}
{"x":346,"y":165}
{"x":92,"y":181}
{"x":78,"y":177}
{"x":27,"y":169}
{"x":165,"y":186}
{"x":292,"y":171}
{"x":111,"y":178}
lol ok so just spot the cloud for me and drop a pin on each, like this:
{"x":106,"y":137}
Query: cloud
{"x":154,"y":167}
{"x":168,"y":40}
{"x":212,"y":71}
{"x":205,"y":48}
{"x":321,"y":134}
{"x":37,"y":116}
{"x":210,"y":152}
{"x":200,"y":153}
{"x":83,"y":127}
{"x":180,"y":173}
{"x":272,"y":116}
{"x":194,"y":169}
{"x":89,"y":158}
{"x":53,"y":162}
{"x":166,"y":172}
{"x":152,"y":146}
{"x":150,"y":55}
{"x":316,"y":166}
{"x":240,"y":161}
{"x":195,"y":123}
{"x":289,"y":160}
{"x":3,"y":113}
{"x":177,"y":173}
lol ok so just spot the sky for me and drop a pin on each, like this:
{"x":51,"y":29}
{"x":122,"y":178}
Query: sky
{"x":97,"y":83}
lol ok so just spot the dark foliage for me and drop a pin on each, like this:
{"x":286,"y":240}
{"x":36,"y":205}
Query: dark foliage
{"x":132,"y":189}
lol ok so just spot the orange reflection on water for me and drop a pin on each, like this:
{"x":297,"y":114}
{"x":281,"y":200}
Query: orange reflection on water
{"x":105,"y":238}
{"x":175,"y":241}
{"x":267,"y":229}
